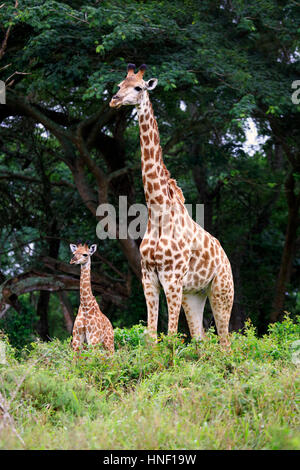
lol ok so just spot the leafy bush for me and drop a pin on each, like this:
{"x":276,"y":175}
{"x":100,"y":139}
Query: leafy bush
{"x":19,"y":328}
{"x":134,"y":336}
{"x":172,"y":394}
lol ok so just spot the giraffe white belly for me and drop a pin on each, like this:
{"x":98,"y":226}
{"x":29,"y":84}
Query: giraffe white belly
{"x":193,"y":282}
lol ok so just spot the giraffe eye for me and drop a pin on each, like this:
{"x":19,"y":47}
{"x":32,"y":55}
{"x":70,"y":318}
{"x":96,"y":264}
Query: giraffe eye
{"x":137,"y":88}
{"x":84,"y":254}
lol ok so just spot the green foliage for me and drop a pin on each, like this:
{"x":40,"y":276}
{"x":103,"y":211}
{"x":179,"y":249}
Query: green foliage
{"x":132,"y":337}
{"x":217,"y":65}
{"x":275,"y":345}
{"x":241,"y":111}
{"x":19,"y":328}
{"x":168,"y":395}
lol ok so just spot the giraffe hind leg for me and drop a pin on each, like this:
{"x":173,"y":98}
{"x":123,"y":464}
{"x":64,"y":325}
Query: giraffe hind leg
{"x":221,"y":299}
{"x":193,"y":305}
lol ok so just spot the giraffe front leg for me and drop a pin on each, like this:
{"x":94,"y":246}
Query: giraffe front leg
{"x":151,"y":291}
{"x":77,"y":342}
{"x":78,"y":332}
{"x":173,"y":293}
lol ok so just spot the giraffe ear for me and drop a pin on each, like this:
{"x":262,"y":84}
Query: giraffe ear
{"x":151,"y":83}
{"x":93,"y":248}
{"x":73,"y":248}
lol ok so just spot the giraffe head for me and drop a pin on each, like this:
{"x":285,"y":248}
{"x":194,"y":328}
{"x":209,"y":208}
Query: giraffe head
{"x":82,"y":253}
{"x":133,"y":88}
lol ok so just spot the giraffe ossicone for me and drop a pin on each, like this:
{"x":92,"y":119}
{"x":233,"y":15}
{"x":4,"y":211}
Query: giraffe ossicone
{"x":91,"y":326}
{"x":176,"y":253}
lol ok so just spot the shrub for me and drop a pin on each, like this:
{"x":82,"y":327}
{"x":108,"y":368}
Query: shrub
{"x":171,"y":394}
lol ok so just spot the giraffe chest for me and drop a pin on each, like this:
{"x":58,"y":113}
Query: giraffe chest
{"x":168,"y":240}
{"x":89,"y":320}
{"x":165,"y":254}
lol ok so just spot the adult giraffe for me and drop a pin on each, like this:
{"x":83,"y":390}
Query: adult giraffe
{"x":176,"y":253}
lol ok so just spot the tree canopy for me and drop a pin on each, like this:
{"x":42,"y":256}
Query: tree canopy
{"x":220,"y":67}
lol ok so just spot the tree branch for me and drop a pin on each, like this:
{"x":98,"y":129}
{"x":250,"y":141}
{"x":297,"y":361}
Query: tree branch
{"x":21,"y":176}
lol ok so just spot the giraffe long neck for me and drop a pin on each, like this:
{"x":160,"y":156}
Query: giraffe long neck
{"x":85,"y":283}
{"x":155,"y":174}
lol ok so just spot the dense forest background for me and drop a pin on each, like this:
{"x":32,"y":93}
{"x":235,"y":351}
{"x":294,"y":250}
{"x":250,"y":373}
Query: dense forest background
{"x":225,"y":72}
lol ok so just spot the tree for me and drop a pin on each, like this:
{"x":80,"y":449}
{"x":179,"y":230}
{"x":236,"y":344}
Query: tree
{"x":218,"y":65}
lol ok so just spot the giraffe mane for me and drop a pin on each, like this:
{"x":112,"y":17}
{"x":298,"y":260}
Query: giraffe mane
{"x":175,"y":189}
{"x":172,"y":184}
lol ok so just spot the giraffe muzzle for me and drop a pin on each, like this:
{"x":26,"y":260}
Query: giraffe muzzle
{"x":115,"y":102}
{"x":74,"y":260}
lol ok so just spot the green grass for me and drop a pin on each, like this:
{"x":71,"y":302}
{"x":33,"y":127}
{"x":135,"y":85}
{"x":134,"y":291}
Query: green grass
{"x":169,"y":395}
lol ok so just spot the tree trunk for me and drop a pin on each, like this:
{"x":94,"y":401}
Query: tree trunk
{"x":237,"y":319}
{"x":44,"y":297}
{"x":42,"y":312}
{"x":67,"y":311}
{"x":289,"y":250}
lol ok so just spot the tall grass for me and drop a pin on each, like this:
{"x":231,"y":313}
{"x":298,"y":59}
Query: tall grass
{"x":169,"y":395}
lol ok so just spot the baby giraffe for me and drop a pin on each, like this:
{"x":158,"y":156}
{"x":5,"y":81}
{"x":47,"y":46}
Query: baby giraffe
{"x":91,"y":325}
